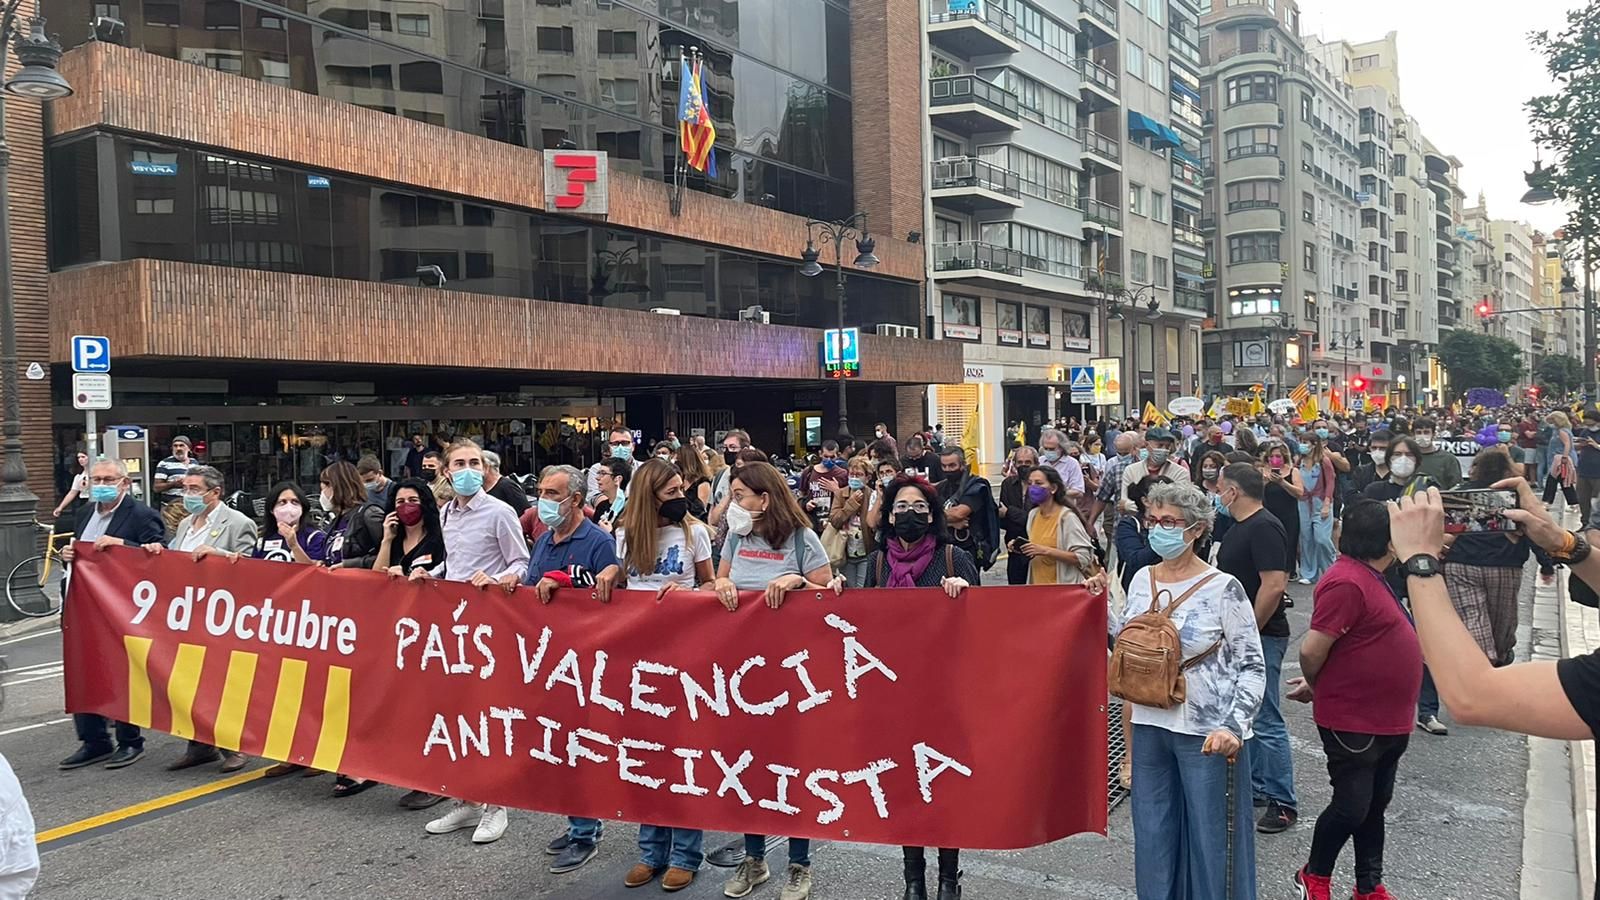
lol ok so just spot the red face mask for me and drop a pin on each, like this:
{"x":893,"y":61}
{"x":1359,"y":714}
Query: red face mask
{"x":409,"y":513}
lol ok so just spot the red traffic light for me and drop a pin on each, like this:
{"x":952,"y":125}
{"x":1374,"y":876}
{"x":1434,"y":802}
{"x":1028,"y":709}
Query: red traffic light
{"x":1533,"y":391}
{"x":1358,"y":383}
{"x":1483,"y":308}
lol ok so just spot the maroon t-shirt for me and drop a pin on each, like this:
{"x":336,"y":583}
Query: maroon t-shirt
{"x":1373,"y":675}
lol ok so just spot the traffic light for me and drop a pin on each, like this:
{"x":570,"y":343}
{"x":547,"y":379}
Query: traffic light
{"x":1483,"y":309}
{"x":1534,"y":392}
{"x":1358,"y":385}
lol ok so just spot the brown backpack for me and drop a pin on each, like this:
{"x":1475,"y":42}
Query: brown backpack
{"x":1147,"y":663}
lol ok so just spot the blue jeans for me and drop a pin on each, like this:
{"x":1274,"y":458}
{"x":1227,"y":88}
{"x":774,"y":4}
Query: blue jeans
{"x":1271,"y":763}
{"x":583,"y":831}
{"x":1316,"y":539}
{"x":755,"y":847}
{"x":1180,"y":819}
{"x":1428,"y":700}
{"x":677,"y":847}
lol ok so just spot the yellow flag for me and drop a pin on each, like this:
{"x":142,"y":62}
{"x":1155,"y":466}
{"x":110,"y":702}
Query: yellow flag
{"x":969,"y":440}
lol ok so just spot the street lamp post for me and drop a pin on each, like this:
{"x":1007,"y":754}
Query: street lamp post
{"x":1341,"y":339}
{"x":1119,"y":301}
{"x":36,"y":79}
{"x":838,"y":231}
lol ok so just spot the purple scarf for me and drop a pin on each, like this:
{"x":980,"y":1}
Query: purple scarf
{"x":906,"y":564}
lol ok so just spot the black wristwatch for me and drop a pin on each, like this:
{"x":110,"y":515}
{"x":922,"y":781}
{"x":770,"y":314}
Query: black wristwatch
{"x":1578,"y":553}
{"x":1423,"y":565}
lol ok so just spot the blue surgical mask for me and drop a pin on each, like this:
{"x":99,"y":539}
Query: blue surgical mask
{"x":1222,"y":508}
{"x":856,"y":484}
{"x":194,"y":502}
{"x":1167,"y":541}
{"x":466,"y":482}
{"x":1049,"y":456}
{"x":830,"y":464}
{"x":550,"y":512}
{"x":103,"y":493}
{"x":1322,"y":433}
{"x":1505,"y":437}
{"x":623,"y":451}
{"x":1144,"y":453}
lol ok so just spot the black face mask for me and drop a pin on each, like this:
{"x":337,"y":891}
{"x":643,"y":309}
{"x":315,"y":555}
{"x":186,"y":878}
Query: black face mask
{"x":675,"y":509}
{"x":912,"y":527}
{"x":729,"y":456}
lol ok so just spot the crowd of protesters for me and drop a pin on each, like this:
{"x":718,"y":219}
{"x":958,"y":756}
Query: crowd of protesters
{"x":1201,"y":521}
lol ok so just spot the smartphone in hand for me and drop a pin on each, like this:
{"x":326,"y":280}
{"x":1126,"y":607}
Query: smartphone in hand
{"x":1472,"y":510}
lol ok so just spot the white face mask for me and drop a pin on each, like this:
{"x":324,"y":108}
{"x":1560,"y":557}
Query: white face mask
{"x":740,"y":520}
{"x":1425,"y":441}
{"x":1403,"y":466}
{"x":325,"y":500}
{"x":1377,"y":456}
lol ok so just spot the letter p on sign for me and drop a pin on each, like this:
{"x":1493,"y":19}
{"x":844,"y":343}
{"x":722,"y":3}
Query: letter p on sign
{"x":91,"y":353}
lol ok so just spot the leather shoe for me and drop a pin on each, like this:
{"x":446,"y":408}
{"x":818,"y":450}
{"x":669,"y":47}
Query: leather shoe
{"x":281,"y":769}
{"x":86,"y":756}
{"x":192,"y":758}
{"x":233,"y":762}
{"x":676,"y":879}
{"x":639,"y":876}
{"x":125,"y":756}
{"x":950,"y":887}
{"x":420,"y":800}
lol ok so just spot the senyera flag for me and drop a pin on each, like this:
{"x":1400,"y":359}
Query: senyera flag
{"x":886,"y":716}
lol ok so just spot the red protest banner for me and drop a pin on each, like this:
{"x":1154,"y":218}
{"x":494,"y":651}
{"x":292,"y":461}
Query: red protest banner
{"x":885,"y":716}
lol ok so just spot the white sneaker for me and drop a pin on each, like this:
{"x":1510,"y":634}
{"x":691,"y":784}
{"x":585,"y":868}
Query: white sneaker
{"x":1305,"y":581}
{"x":491,"y":826}
{"x":464,"y":815}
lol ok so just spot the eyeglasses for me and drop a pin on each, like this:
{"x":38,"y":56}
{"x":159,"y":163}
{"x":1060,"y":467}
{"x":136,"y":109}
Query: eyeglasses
{"x":622,"y":443}
{"x":106,"y":479}
{"x":1165,"y":522}
{"x":917,"y":507}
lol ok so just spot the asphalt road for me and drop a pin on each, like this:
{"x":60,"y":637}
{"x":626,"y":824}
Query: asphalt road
{"x":1455,"y":829}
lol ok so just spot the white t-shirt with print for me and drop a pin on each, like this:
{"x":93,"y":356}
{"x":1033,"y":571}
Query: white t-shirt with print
{"x":676,"y":556}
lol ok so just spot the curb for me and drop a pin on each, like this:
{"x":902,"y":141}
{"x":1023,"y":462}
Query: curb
{"x":26,"y":627}
{"x":1578,"y":752}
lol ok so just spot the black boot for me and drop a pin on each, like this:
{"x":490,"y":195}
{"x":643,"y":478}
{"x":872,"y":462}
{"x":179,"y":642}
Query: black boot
{"x":949,"y":886}
{"x":916,"y":887}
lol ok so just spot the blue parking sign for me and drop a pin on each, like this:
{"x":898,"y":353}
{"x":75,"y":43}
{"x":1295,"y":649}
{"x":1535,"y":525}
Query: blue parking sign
{"x":91,"y":353}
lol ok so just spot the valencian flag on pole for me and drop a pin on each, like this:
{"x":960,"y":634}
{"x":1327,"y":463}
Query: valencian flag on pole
{"x":696,"y":133}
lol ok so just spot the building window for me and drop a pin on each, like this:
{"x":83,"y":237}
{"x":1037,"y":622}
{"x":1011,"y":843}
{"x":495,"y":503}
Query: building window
{"x":223,"y":61}
{"x":1158,"y":72}
{"x":961,"y":320}
{"x":269,"y":22}
{"x":161,"y":12}
{"x":480,"y":265}
{"x":1264,"y":305}
{"x":553,"y":40}
{"x":275,"y":72}
{"x":618,"y":43}
{"x":1253,"y":195}
{"x":1258,"y":88}
{"x":416,"y":26}
{"x":1135,"y":63}
{"x":1399,"y":204}
{"x":621,"y":94}
{"x":422,"y":77}
{"x":1308,"y":257}
{"x":222,"y":15}
{"x":1259,"y":141}
{"x":1136,"y":199}
{"x":1140,"y":269}
{"x":1401,"y":242}
{"x":108,"y":10}
{"x":1259,"y":247}
{"x":1402,"y":281}
{"x":1008,"y":322}
{"x":158,"y":206}
{"x":1158,"y":206}
{"x":1160,"y":270}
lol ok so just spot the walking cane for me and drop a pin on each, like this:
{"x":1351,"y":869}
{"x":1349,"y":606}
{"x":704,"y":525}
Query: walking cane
{"x":1227,"y":887}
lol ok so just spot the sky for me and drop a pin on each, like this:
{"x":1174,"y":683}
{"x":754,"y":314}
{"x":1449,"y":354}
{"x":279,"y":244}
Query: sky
{"x":1466,"y":68}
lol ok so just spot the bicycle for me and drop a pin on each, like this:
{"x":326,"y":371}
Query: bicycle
{"x":36,"y":586}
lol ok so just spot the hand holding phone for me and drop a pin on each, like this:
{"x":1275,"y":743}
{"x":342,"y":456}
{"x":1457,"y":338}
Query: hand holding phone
{"x":1474,"y":510}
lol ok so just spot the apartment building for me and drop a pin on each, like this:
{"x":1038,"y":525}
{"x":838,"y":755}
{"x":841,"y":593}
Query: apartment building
{"x":1064,"y":198}
{"x":1484,"y":279}
{"x":1519,"y":287}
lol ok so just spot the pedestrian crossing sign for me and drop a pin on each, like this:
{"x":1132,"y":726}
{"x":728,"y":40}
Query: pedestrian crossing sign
{"x":1083,"y":384}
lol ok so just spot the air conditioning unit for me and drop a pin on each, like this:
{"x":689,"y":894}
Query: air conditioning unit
{"x":666,"y":311}
{"x":891,"y":330}
{"x":755,"y":314}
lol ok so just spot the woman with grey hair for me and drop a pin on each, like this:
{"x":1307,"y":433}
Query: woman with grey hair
{"x":1184,"y":755}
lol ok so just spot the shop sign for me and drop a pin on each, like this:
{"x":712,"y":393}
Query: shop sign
{"x":576,"y":181}
{"x":1107,"y":381}
{"x":983,"y":374}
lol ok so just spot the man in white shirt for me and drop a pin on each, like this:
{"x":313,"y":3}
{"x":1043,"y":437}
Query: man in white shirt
{"x":1155,"y":459}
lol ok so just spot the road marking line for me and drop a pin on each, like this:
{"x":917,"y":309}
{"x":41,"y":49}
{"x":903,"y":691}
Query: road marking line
{"x":149,"y":806}
{"x":21,"y":728}
{"x":29,"y":637}
{"x":22,"y":670}
{"x":30,"y":680}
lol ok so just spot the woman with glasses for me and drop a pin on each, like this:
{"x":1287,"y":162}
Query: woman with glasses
{"x":1058,"y":547}
{"x":1404,"y":480}
{"x":917,"y":552}
{"x":770,"y":548}
{"x":1184,"y":755}
{"x":847,"y":516}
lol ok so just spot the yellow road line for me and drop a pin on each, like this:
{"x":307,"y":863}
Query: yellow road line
{"x":149,"y":806}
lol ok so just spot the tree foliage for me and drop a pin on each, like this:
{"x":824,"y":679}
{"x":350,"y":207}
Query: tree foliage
{"x":1480,"y":360}
{"x":1560,"y":373}
{"x":1568,"y":121}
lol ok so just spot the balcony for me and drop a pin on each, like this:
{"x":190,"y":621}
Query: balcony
{"x":1343,"y":243}
{"x":1102,"y":149}
{"x":967,"y":104}
{"x":1101,"y":215}
{"x":1102,"y":16}
{"x":985,"y":29}
{"x":977,"y":263}
{"x":970,"y":184}
{"x":1186,"y":113}
{"x":1197,"y":301}
{"x":1183,"y":234}
{"x":1099,"y":83}
{"x":1188,"y":177}
{"x":1184,"y":49}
